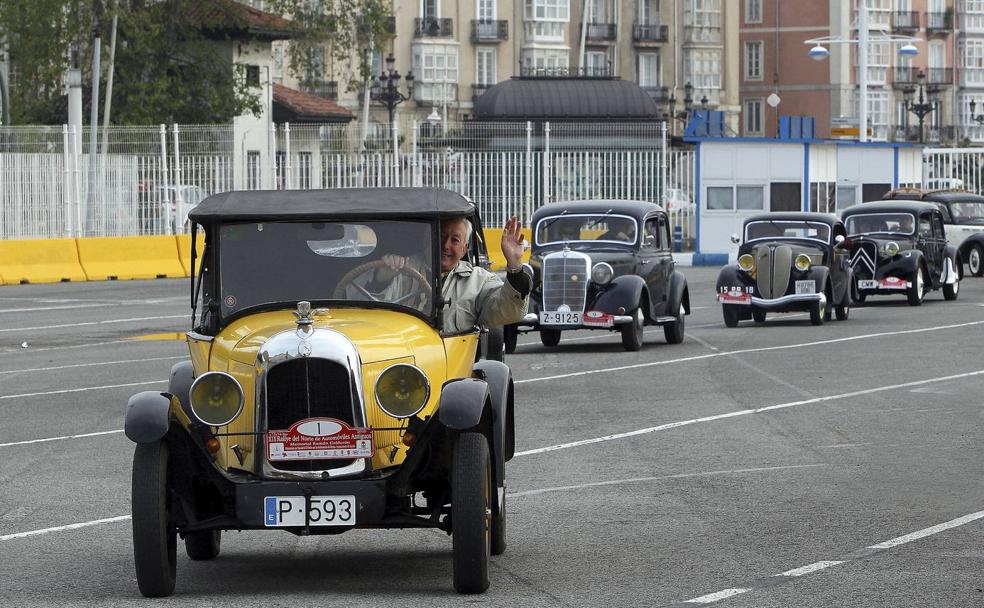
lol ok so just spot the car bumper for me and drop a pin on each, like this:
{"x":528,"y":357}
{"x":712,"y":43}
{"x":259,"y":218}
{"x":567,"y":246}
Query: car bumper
{"x":532,"y":321}
{"x":790,"y":302}
{"x":370,"y":498}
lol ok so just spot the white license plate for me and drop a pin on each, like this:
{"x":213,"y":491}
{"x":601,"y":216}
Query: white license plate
{"x":867,"y":284}
{"x":806,"y":287}
{"x":283,"y":511}
{"x":560,"y":318}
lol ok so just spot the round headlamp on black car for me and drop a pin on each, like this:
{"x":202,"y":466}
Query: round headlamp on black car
{"x":602,"y":273}
{"x":216,"y":398}
{"x":802,"y":262}
{"x":891,"y":248}
{"x":746,"y":262}
{"x":402,"y":390}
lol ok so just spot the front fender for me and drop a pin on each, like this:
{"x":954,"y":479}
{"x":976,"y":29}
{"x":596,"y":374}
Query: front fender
{"x":820,"y":275}
{"x":463,"y":403}
{"x":179,"y":383}
{"x":729,"y":276}
{"x":970,"y":241}
{"x":499,"y":378}
{"x":901,"y":267}
{"x":679,"y":294}
{"x":147,"y":418}
{"x":624,"y":291}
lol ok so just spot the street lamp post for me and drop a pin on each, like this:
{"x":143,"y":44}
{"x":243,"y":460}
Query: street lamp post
{"x":978,"y":118}
{"x":385,"y":88}
{"x":923,"y":107}
{"x":819,"y":52}
{"x":688,"y":105}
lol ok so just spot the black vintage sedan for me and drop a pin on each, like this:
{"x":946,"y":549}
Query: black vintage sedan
{"x":787,"y":262}
{"x":603,"y":265}
{"x":900,"y":247}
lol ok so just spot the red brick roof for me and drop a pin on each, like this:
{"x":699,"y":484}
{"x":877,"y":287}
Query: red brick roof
{"x":232,"y":16}
{"x":308,"y":107}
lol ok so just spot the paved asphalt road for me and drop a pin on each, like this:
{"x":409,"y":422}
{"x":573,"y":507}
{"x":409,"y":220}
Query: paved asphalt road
{"x":769,"y":465}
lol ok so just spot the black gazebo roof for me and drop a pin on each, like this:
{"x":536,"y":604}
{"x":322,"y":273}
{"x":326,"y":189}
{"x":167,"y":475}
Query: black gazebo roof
{"x":560,"y":99}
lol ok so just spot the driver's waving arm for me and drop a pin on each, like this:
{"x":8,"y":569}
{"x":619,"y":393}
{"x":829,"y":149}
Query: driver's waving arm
{"x":475,"y":295}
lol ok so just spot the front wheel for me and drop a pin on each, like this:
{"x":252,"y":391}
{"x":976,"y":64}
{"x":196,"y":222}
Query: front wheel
{"x":975,"y":260}
{"x":632,"y":332}
{"x":917,"y":291}
{"x":951,"y":290}
{"x":730,"y":312}
{"x":471,"y":513}
{"x":843,"y":310}
{"x":204,"y":545}
{"x":817,"y":313}
{"x":550,"y":337}
{"x":758,"y":315}
{"x":154,"y":536}
{"x":673,"y":331}
{"x":495,"y":344}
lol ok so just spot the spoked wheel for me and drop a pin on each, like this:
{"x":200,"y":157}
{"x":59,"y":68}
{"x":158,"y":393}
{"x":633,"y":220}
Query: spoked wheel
{"x":673,"y":332}
{"x":916,"y":293}
{"x":203,"y":545}
{"x":471,"y":513}
{"x":632,"y":332}
{"x":758,"y":315}
{"x":550,"y":337}
{"x":154,"y":536}
{"x":975,"y":260}
{"x":509,"y":336}
{"x":730,"y":312}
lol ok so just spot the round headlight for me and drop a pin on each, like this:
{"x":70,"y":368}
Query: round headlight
{"x":402,"y":390}
{"x":892,"y":248}
{"x":802,"y":262}
{"x":602,"y":273}
{"x":746,"y":262}
{"x":216,"y":398}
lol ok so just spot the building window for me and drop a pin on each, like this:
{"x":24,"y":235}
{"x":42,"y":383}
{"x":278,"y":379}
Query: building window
{"x":753,"y":117}
{"x":304,"y":170}
{"x":753,"y":60}
{"x":722,"y":198}
{"x":546,"y":10}
{"x":430,"y":9}
{"x":253,"y":170}
{"x":649,"y":70}
{"x":702,"y":68}
{"x":596,"y":64}
{"x":648,"y":12}
{"x":753,"y":11}
{"x":434,"y":65}
{"x":485,"y":66}
{"x":596,"y":11}
{"x":485,"y":10}
{"x":545,"y":59}
{"x":252,"y":75}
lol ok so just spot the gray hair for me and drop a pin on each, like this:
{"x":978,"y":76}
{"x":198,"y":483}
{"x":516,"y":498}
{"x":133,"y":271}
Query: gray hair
{"x":468,"y":226}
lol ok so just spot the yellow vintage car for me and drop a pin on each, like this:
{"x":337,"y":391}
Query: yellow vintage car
{"x":320,"y":394}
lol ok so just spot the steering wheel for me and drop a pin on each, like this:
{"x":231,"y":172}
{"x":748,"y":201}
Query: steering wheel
{"x":350,"y":276}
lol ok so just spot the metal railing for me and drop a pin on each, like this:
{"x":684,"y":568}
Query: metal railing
{"x":433,"y":27}
{"x":327,"y":89}
{"x":650,"y":33}
{"x":939,"y":22}
{"x":599,"y":31}
{"x":939,"y":76}
{"x":489,"y":30}
{"x":905,"y":20}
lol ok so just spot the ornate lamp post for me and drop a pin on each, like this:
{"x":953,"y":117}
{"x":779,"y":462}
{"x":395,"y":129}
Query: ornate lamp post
{"x":385,"y":88}
{"x":688,"y":104}
{"x":978,"y":118}
{"x":921,"y":108}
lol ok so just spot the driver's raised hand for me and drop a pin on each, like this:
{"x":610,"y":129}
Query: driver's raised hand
{"x":512,"y":243}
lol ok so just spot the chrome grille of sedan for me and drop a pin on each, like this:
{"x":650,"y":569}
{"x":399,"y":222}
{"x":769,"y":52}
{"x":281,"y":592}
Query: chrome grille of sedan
{"x":565,"y":280}
{"x":864,"y":260}
{"x":773,"y":267}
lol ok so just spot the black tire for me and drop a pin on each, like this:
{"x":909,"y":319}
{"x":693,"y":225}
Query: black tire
{"x":509,"y":336}
{"x":499,"y":527}
{"x":817,"y":313}
{"x":471,"y":506}
{"x":843,"y":310}
{"x":859,"y":298}
{"x":951,"y":291}
{"x":828,"y":307}
{"x":917,"y":292}
{"x":632,"y":332}
{"x":758,"y":315}
{"x":975,"y":260}
{"x":201,"y":546}
{"x":550,"y":337}
{"x":730,"y":312}
{"x":154,"y":536}
{"x":673,"y":332}
{"x":495,"y":344}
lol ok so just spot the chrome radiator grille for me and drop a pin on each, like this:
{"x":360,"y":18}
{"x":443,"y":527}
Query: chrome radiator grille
{"x":864,"y":260}
{"x":565,"y":281}
{"x":773,"y":267}
{"x":308,"y":388}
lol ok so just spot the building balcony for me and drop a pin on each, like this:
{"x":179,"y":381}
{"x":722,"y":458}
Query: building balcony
{"x":939,"y":23}
{"x":600,"y":31}
{"x":389,"y":25}
{"x":489,"y":30}
{"x":430,"y":27}
{"x":939,"y":76}
{"x":565,"y":72}
{"x":928,"y":134}
{"x":650,"y":34}
{"x":479,"y":89}
{"x":435,"y":93}
{"x":702,"y":35}
{"x":326,"y":89}
{"x":972,"y":77}
{"x":905,"y":21}
{"x":904,"y":76}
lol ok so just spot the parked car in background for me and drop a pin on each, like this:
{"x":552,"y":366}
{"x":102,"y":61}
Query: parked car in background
{"x":963,"y":221}
{"x":312,"y":403}
{"x":900,"y":247}
{"x":176,"y":202}
{"x":787,"y":262}
{"x":603,"y":265}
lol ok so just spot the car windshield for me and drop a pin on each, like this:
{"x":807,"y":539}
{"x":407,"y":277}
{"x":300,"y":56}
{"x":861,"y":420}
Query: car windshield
{"x":265,"y":263}
{"x":967,"y":212}
{"x":571,"y":227}
{"x":787,"y":229}
{"x":880,"y":223}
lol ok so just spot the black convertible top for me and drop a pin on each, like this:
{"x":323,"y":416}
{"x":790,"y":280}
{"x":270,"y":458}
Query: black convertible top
{"x":340,"y":203}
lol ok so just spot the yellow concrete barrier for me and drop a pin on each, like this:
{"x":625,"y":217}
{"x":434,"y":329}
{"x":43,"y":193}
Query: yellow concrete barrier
{"x":493,"y":240}
{"x":184,"y":252}
{"x":40,"y":261}
{"x":132,"y":257}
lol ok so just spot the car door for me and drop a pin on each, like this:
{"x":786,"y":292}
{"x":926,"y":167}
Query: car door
{"x":928,"y":243}
{"x":839,"y":264}
{"x":939,"y":244}
{"x":649,"y":260}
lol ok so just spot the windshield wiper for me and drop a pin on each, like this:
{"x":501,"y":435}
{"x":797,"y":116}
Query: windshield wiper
{"x":599,"y":220}
{"x":550,"y":222}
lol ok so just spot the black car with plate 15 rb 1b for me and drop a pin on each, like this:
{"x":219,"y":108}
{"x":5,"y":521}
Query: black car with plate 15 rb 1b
{"x":787,"y":262}
{"x":603,"y":265}
{"x":900,"y":247}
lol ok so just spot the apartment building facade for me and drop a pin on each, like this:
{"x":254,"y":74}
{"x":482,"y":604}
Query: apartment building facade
{"x":457,"y":49}
{"x":940,"y":82}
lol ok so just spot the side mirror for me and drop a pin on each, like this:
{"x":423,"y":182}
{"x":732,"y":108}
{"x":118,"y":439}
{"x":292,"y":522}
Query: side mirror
{"x":735,"y":239}
{"x":839,"y":240}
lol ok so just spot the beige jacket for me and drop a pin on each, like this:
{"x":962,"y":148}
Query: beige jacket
{"x":475,"y":295}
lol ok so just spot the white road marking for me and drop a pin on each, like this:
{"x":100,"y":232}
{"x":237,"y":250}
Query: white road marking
{"x":908,"y":538}
{"x":704,"y":343}
{"x":75,"y":346}
{"x":106,"y":322}
{"x":769,"y":408}
{"x":616,"y":482}
{"x":80,"y":390}
{"x":84,"y":524}
{"x":814,"y":567}
{"x":746,"y":351}
{"x":64,"y":307}
{"x":74,"y":365}
{"x":710,"y":598}
{"x":47,"y":439}
{"x":721,"y":323}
